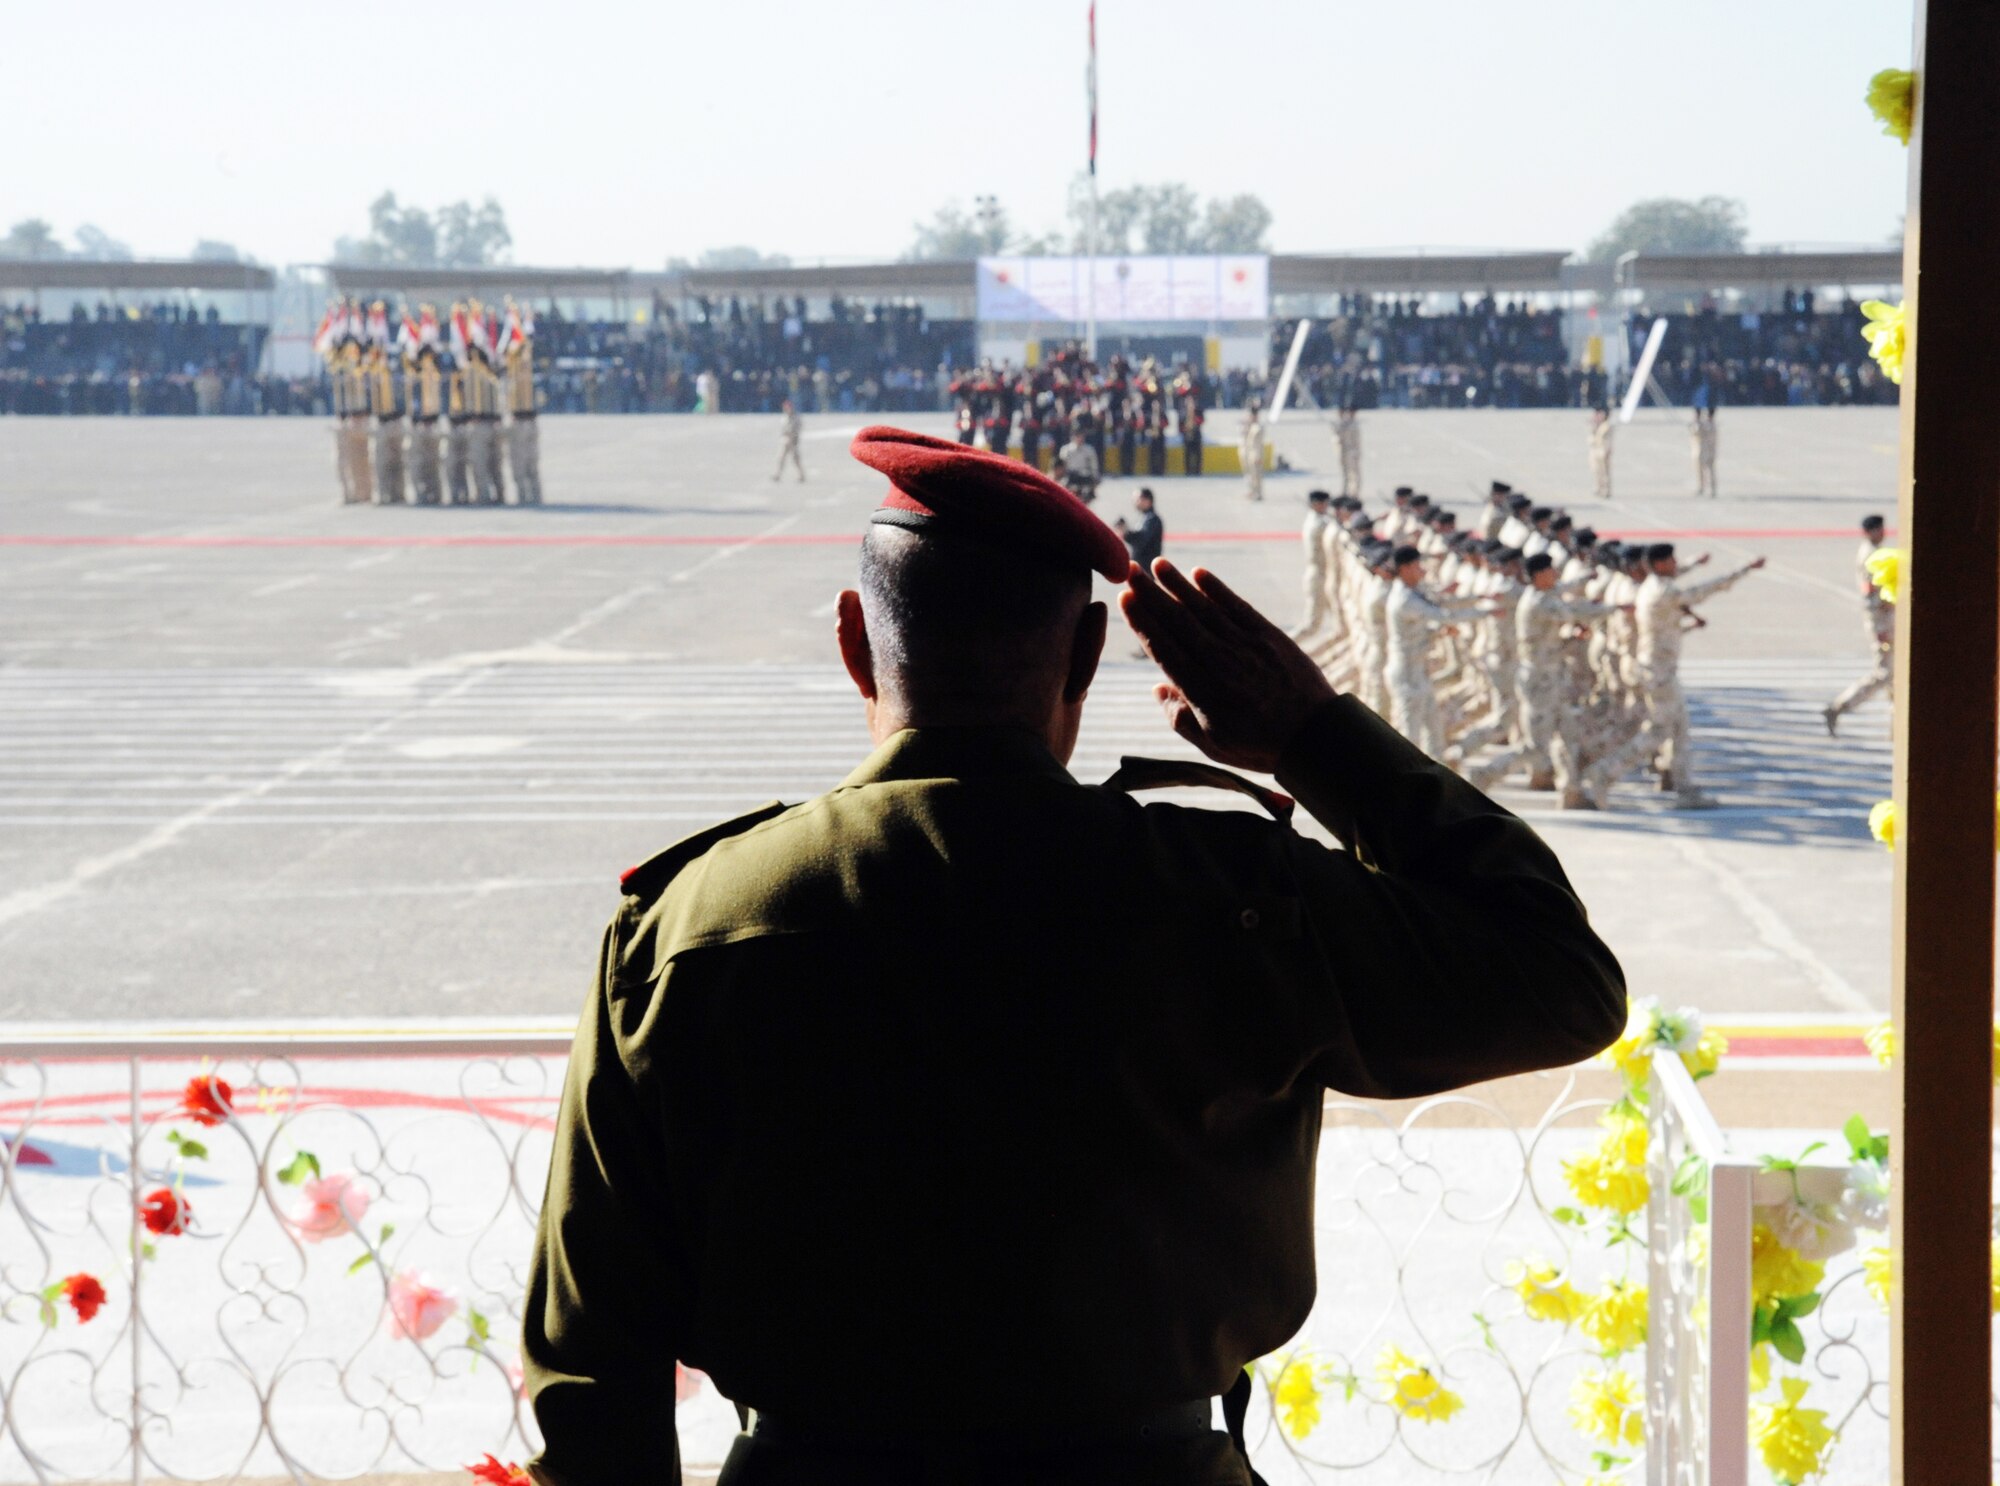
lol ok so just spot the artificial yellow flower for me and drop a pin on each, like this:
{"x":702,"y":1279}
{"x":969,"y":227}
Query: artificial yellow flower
{"x":1792,"y":1440}
{"x":1888,"y":338}
{"x":1295,"y":1397}
{"x":1604,"y":1405}
{"x":1412,"y":1389}
{"x":1616,"y":1319}
{"x":1760,"y":1367}
{"x":1882,"y":823}
{"x":1632,"y":1053}
{"x":1885,"y":571}
{"x":1777,"y":1270}
{"x":1706,"y":1055}
{"x":1606,"y":1184}
{"x":1544,"y":1297}
{"x":1878,"y":1272}
{"x":1625,"y":1138}
{"x":1696,"y":1247}
{"x":1892,"y":98}
{"x":1881,"y":1040}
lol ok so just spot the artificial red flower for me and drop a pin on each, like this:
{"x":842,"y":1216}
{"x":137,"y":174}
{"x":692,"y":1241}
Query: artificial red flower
{"x":165,"y":1211}
{"x":500,"y":1473}
{"x":206,"y":1100}
{"x":84,"y":1294}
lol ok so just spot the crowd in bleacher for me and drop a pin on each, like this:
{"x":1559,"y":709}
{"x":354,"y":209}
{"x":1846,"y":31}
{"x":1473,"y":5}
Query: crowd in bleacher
{"x":1374,"y":351}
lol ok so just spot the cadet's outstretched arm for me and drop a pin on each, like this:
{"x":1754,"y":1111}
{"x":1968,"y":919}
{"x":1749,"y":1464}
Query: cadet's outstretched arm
{"x":602,"y":1323}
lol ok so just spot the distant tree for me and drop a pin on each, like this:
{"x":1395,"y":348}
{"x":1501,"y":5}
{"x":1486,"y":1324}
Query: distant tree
{"x":33,"y":239}
{"x":208,"y":250}
{"x":1166,"y":218}
{"x":740,"y":256}
{"x":1241,"y":224}
{"x":955,"y":233}
{"x":472,"y":237}
{"x":96,"y":245}
{"x":1714,"y":224}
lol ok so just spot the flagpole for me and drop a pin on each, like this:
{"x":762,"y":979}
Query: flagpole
{"x":1090,"y":247}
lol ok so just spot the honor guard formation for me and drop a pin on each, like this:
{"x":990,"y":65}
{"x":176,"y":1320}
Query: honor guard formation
{"x":1120,"y":413}
{"x":390,"y":391}
{"x":1523,"y":647}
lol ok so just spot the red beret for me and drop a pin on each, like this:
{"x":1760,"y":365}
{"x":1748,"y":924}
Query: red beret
{"x":935,"y":484}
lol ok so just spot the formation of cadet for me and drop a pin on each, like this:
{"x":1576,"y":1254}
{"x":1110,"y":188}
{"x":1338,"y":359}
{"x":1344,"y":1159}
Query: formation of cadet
{"x":472,"y":374}
{"x":1523,"y":646}
{"x":1878,"y":621}
{"x":1069,"y":398}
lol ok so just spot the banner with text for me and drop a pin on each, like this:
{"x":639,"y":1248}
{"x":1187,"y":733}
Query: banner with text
{"x":1056,"y":290}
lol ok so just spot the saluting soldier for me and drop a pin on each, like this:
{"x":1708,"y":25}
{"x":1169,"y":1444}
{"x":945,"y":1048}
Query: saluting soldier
{"x":969,"y":1053}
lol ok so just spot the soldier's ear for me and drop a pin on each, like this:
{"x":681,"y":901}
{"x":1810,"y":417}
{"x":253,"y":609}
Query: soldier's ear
{"x":1086,"y":648}
{"x":851,"y":631}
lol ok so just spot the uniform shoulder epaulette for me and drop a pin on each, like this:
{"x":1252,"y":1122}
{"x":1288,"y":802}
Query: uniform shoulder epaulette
{"x":1135,"y":774}
{"x":653,"y":874}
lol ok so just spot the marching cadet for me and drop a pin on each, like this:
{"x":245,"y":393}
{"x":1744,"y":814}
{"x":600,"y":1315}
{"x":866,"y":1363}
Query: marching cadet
{"x":1347,"y":433}
{"x":1549,"y":744}
{"x":1601,"y":430}
{"x":1380,"y":558}
{"x":1878,"y":619}
{"x":1413,"y":619}
{"x":1537,"y":539}
{"x":1702,"y":439}
{"x":824,"y":1017}
{"x":1515,"y":530}
{"x":788,"y":447}
{"x":1494,"y":516}
{"x":1250,"y":449}
{"x":524,"y":438}
{"x":1319,"y":507}
{"x":1397,"y":521}
{"x":1496,"y":652}
{"x":1663,"y":611}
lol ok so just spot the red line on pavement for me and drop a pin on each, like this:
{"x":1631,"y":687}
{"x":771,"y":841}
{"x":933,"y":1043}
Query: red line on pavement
{"x":782,"y":539}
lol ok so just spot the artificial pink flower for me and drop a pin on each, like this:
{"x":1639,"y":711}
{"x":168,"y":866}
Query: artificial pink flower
{"x":687,"y":1382}
{"x":329,"y":1206}
{"x":417,"y":1308}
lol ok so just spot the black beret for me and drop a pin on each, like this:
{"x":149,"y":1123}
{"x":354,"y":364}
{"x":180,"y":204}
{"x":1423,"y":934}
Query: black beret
{"x":1540,"y":562}
{"x":1659,"y":552}
{"x":1406,"y":555}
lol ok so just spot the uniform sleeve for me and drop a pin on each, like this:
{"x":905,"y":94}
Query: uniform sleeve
{"x":1452,"y":947}
{"x":1713,"y":586}
{"x":607,"y":1290}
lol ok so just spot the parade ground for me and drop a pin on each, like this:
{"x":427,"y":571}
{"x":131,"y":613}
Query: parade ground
{"x":265,"y":757}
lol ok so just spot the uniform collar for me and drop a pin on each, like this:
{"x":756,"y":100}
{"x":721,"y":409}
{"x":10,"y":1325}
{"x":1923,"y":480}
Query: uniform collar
{"x":958,"y":753}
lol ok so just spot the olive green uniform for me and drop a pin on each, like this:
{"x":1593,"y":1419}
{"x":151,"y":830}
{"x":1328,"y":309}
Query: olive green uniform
{"x":967,"y":1099}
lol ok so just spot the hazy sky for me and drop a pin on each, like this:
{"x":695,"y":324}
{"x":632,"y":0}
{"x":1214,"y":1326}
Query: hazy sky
{"x":620,"y":134}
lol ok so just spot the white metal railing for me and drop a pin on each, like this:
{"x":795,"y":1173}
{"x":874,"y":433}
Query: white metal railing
{"x":358,"y":1313}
